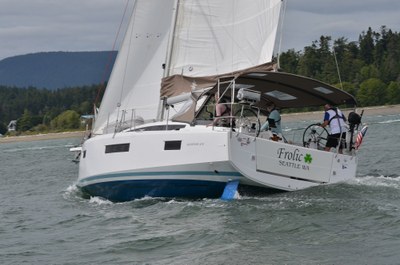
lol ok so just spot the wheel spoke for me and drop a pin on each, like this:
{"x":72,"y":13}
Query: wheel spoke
{"x":246,"y":118}
{"x":316,"y":134}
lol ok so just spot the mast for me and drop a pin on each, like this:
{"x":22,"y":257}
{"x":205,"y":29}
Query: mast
{"x":281,"y":20}
{"x":160,"y":112}
{"x":171,"y":39}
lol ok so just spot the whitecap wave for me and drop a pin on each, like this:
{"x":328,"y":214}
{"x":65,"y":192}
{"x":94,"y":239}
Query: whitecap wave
{"x":99,"y":201}
{"x":72,"y":192}
{"x":389,"y":121}
{"x":33,"y":148}
{"x":378,"y":181}
{"x":72,"y":188}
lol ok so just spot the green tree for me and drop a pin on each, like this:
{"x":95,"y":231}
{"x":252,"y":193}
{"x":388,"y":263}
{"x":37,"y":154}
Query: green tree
{"x":289,"y":61}
{"x":369,"y":71}
{"x":348,"y":62}
{"x":393,"y":93}
{"x":372,"y":92}
{"x":3,"y":128}
{"x":390,"y":69}
{"x":367,"y":46}
{"x":69,"y":119}
{"x":25,"y":122}
{"x":380,"y":46}
{"x":86,"y":107}
{"x":309,"y":63}
{"x":348,"y":87}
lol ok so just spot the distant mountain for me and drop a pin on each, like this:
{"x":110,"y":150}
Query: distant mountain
{"x":53,"y":70}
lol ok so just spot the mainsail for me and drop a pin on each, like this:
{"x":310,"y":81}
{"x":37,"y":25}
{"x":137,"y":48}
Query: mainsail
{"x":189,"y":37}
{"x":218,"y":37}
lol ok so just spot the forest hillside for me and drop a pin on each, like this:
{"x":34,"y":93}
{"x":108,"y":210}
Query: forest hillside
{"x":368,"y":68}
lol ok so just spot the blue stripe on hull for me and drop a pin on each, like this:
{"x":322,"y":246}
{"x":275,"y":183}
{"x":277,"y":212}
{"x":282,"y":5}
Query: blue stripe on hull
{"x":127,"y":190}
{"x":160,"y":173}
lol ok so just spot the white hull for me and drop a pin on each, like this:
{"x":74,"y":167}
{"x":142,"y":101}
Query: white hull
{"x":286,"y":166}
{"x":198,"y":167}
{"x":197,"y":162}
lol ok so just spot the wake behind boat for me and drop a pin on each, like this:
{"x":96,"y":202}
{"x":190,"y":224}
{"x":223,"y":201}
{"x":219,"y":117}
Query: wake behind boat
{"x":156,"y":133}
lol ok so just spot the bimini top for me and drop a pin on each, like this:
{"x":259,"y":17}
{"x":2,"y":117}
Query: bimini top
{"x":283,"y":89}
{"x":292,"y":91}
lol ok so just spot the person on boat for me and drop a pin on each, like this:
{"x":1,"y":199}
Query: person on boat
{"x":273,"y":122}
{"x":221,"y":109}
{"x":338,"y":127}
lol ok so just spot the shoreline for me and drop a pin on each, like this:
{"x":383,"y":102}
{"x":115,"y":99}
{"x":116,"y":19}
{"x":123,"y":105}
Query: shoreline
{"x":39,"y":137}
{"x":300,"y":116}
{"x":318,"y":115}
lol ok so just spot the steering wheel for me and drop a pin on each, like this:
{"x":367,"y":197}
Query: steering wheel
{"x":315,"y":136}
{"x":247,"y":121}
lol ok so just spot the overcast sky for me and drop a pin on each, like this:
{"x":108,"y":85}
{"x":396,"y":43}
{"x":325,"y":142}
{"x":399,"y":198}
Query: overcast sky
{"x":29,"y":26}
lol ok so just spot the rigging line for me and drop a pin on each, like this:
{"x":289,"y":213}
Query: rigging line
{"x":188,"y":37}
{"x":337,"y":68}
{"x":127,"y":56}
{"x":107,"y":67}
{"x":233,"y":33}
{"x":126,"y":66}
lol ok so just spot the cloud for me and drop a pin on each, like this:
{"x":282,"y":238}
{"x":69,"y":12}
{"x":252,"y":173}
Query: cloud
{"x":52,"y":25}
{"x":28,"y":26}
{"x":342,"y":7}
{"x":307,"y":20}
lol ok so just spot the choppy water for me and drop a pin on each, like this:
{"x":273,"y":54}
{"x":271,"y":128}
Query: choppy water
{"x":44,"y":219}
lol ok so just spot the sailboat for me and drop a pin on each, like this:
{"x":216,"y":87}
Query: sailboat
{"x":156,"y":133}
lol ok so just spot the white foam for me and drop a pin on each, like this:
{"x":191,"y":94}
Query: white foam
{"x":33,"y":148}
{"x":388,"y":121}
{"x":72,"y":188}
{"x":381,"y":181}
{"x":99,"y":201}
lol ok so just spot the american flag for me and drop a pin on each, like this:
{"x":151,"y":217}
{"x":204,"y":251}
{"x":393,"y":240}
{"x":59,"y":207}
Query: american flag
{"x":360,"y":137}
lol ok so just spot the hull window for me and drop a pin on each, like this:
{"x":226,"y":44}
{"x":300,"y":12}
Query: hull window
{"x":117,"y":148}
{"x":172,"y":145}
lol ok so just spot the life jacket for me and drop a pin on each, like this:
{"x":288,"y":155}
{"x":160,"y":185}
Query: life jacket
{"x":336,"y":116}
{"x":279,"y":116}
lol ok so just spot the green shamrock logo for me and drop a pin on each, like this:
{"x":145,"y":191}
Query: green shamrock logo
{"x":308,"y":158}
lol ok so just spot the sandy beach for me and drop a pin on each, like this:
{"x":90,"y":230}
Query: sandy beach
{"x":38,"y":137}
{"x":303,"y":116}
